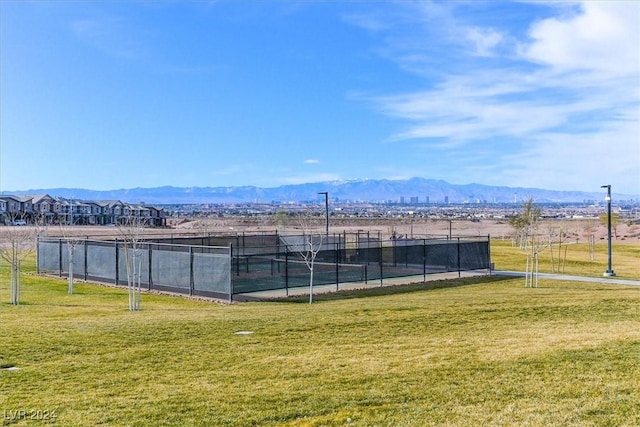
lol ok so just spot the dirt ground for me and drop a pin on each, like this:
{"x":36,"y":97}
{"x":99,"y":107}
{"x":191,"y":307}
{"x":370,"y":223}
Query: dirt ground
{"x":578,"y":229}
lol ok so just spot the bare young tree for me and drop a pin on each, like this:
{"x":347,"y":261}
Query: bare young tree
{"x":16,"y":243}
{"x":72,"y":242}
{"x":479,"y":227}
{"x":281,"y":218}
{"x":525,"y":223}
{"x":312,"y":245}
{"x":202,"y":226}
{"x":132,"y":232}
{"x":615,"y":220}
{"x":528,"y":238}
{"x":557,"y":237}
{"x":308,"y":248}
{"x":588,"y":228}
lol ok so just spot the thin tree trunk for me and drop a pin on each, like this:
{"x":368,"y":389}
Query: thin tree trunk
{"x":138,"y":287}
{"x":560,"y":260}
{"x":71,"y":253}
{"x":311,"y":283}
{"x":14,"y":284}
{"x":553,"y":265}
{"x":15,"y":276}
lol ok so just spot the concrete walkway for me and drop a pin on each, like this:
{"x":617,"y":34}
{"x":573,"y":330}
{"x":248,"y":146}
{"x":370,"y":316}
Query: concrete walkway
{"x":608,"y":280}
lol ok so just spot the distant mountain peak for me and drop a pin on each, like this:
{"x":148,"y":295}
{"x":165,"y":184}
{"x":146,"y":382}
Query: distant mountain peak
{"x":416,"y":189}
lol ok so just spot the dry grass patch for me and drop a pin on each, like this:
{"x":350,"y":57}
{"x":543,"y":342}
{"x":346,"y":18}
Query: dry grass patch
{"x":488,"y":352}
{"x":625,"y":259}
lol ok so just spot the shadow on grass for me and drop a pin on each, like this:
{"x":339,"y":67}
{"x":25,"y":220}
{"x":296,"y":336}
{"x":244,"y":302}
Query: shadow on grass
{"x":390,"y":289}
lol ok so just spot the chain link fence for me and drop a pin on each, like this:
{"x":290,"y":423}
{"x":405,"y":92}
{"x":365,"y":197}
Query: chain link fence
{"x":352,"y":258}
{"x":186,"y":269}
{"x":223,"y":266}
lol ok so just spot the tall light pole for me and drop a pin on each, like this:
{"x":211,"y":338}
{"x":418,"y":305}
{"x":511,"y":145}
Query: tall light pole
{"x":609,"y":271}
{"x":326,"y":210}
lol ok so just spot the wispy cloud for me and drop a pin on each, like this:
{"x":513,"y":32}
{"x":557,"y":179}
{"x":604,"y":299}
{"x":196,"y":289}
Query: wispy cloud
{"x":311,"y":162}
{"x":556,"y":98}
{"x":304,"y":178}
{"x":484,"y":40}
{"x":111,"y":35}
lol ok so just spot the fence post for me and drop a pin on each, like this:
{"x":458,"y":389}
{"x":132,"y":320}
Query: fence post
{"x":150,"y":276}
{"x":117,"y":262}
{"x":380,"y":260}
{"x":86,"y":264}
{"x":286,"y":270}
{"x":38,"y":255}
{"x":230,"y":273}
{"x":360,"y":246}
{"x":406,"y":253}
{"x":489,"y":253}
{"x":190,"y":270}
{"x":60,"y":257}
{"x":458,"y":248}
{"x":393,"y":240}
{"x":236,"y":259}
{"x":424,"y":260}
{"x":337,"y":258}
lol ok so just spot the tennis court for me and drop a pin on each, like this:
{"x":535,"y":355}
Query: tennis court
{"x":223,"y":266}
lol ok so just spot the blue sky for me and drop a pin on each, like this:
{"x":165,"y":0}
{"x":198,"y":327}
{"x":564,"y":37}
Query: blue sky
{"x":122,"y":94}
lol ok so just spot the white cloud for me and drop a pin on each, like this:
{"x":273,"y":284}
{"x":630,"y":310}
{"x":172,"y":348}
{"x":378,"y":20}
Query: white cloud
{"x":368,"y":21}
{"x":311,"y":162}
{"x":602,"y":38}
{"x":447,"y":113}
{"x":484,"y":40}
{"x":580,"y":161}
{"x":304,"y":178}
{"x":550,"y":111}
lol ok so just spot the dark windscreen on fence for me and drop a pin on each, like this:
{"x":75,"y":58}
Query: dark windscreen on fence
{"x":340,"y":259}
{"x":261,"y":262}
{"x":191,"y":270}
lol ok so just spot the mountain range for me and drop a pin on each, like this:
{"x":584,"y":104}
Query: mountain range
{"x":414,"y":190}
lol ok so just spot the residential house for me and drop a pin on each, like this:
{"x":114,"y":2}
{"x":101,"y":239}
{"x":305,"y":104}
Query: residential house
{"x":51,"y":210}
{"x":44,"y":208}
{"x":10,"y":209}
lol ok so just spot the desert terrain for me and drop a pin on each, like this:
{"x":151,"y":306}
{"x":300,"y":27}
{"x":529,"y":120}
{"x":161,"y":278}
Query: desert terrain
{"x":578,"y":230}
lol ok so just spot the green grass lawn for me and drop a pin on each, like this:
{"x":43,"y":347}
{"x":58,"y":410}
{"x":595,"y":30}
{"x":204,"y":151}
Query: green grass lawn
{"x":625,"y":259}
{"x":490,"y":352}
